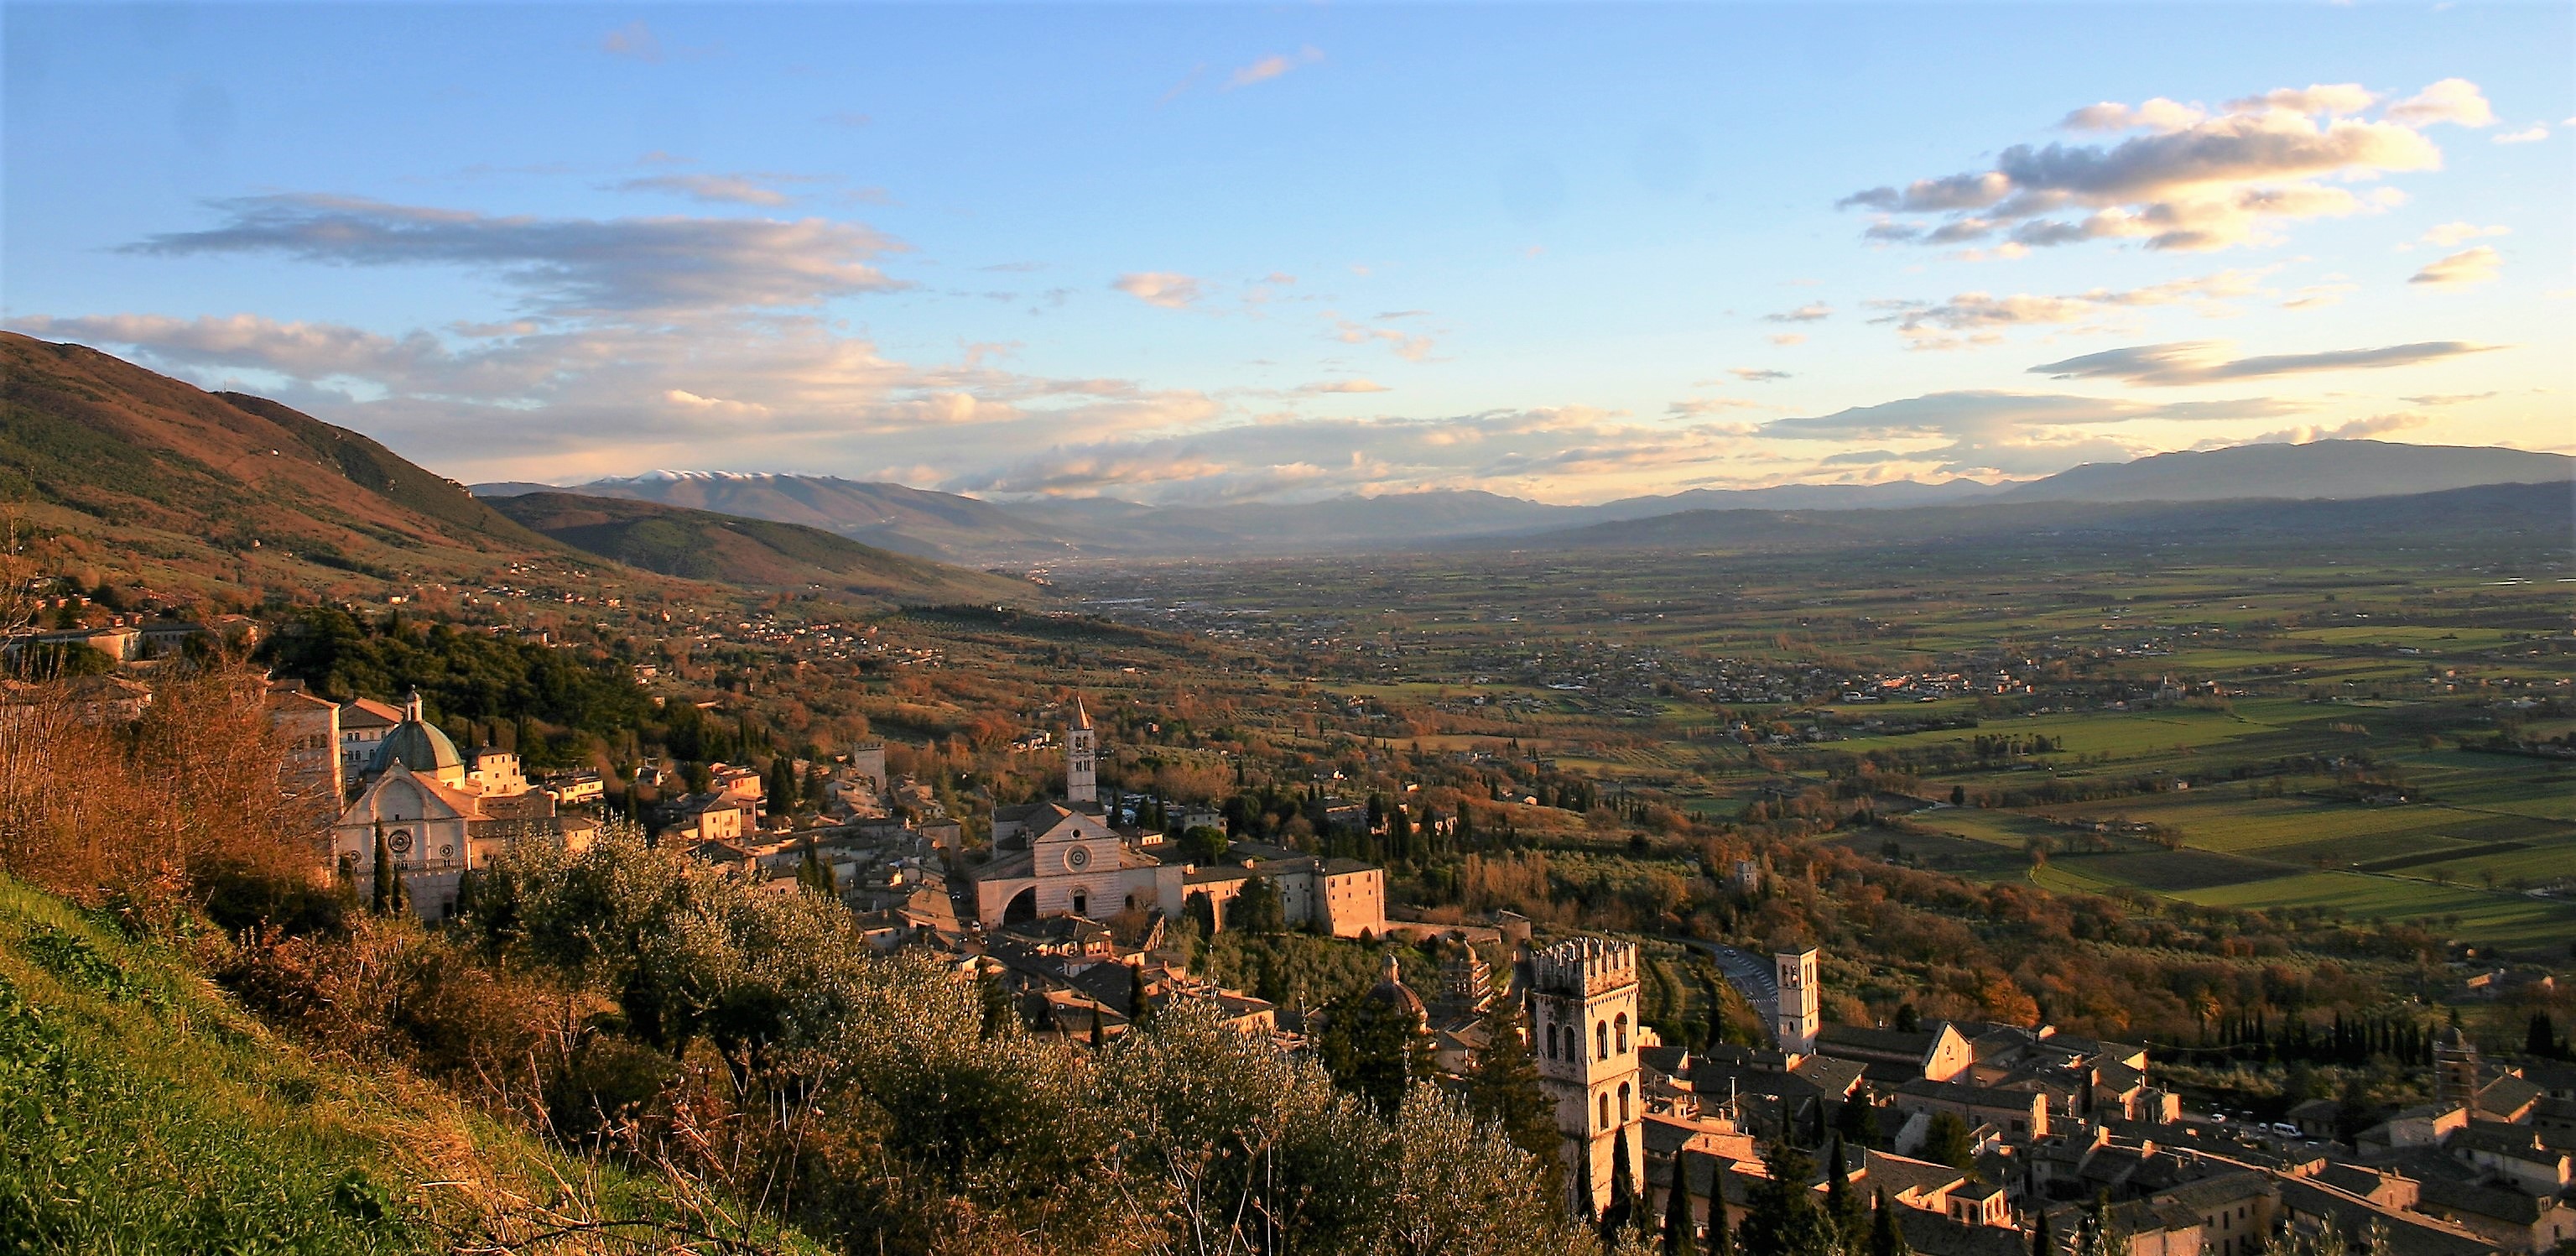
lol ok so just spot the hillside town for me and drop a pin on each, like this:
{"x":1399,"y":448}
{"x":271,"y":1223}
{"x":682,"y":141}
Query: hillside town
{"x":1992,"y":1138}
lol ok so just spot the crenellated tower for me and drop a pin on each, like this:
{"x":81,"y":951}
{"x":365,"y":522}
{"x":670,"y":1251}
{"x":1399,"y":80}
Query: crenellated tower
{"x":1582,"y":1013}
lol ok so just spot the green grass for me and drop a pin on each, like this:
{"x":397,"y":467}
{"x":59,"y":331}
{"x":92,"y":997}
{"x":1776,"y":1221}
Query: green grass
{"x":141,"y":1112}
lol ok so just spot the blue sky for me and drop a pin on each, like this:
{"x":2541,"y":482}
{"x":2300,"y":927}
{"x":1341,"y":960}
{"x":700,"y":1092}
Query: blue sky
{"x":1217,"y":252}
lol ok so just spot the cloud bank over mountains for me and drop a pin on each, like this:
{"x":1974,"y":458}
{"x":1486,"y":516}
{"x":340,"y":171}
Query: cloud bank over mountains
{"x":630,"y":342}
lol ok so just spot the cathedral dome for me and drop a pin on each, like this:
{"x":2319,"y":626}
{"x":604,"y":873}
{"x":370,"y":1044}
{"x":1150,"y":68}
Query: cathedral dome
{"x":417,"y":744}
{"x":1392,"y":991}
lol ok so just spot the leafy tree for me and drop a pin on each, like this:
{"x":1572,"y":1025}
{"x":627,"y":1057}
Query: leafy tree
{"x":1908,"y":1020}
{"x":1203,"y":845}
{"x":815,"y":875}
{"x":1257,"y":910}
{"x":1503,"y":1090}
{"x":1857,"y":1123}
{"x":1783,"y":1219}
{"x":2541,"y":1038}
{"x":1946,"y":1142}
{"x":1367,"y":1046}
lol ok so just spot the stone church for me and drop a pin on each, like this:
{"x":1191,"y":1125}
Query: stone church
{"x":1064,"y":858}
{"x":436,"y":814}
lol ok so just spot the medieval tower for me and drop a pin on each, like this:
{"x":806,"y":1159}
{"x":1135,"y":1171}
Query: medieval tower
{"x":1081,"y":758}
{"x":1582,"y":1016}
{"x":1801,"y":1000}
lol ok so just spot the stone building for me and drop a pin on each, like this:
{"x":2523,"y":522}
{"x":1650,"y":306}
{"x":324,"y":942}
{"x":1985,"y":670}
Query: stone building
{"x":1582,"y":1011}
{"x":435,"y":816}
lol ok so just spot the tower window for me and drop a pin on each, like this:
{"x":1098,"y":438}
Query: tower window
{"x":1622,"y":1023}
{"x":1601,"y":1039}
{"x":1605,"y":1112}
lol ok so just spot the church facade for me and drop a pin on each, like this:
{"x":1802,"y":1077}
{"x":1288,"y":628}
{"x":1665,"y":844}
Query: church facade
{"x":434,"y":815}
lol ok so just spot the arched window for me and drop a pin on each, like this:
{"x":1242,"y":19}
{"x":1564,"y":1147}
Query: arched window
{"x":1622,"y":1022}
{"x":1601,"y":1038}
{"x":1623,"y":1103}
{"x":1605,"y":1112}
{"x":1551,"y":1040}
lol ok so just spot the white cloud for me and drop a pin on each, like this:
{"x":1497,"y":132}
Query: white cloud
{"x":734,"y":189}
{"x":1344,"y":386}
{"x":1157,"y":287}
{"x":1974,"y":311}
{"x":2319,"y":98}
{"x":1756,"y":375}
{"x":634,"y":40}
{"x":2208,"y":362}
{"x":564,"y":265}
{"x":2453,"y":100}
{"x":2532,"y":134}
{"x":2356,"y":429}
{"x":1982,"y":431}
{"x":1695,"y":406}
{"x":2188,"y":179}
{"x":1813,"y":311}
{"x":2468,"y":266}
{"x":1788,"y":338}
{"x":2453,"y":234}
{"x":1410,"y":346}
{"x":1273,"y":66}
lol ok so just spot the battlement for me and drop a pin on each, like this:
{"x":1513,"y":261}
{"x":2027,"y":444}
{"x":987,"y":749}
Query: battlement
{"x":1584,"y":966}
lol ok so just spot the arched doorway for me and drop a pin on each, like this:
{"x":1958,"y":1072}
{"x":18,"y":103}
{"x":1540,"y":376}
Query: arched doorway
{"x":1023,"y":907}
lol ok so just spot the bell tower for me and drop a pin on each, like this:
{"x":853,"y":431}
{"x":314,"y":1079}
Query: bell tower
{"x":1800,"y":1002}
{"x":1081,"y":758}
{"x":1582,"y":1016}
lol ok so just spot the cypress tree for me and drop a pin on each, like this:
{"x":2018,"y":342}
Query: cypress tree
{"x":1623,"y":1191}
{"x":1784,"y":1219}
{"x":2042,"y":1243}
{"x":1721,"y":1239}
{"x":1678,"y":1239}
{"x":1885,"y":1237}
{"x":1503,"y":1090}
{"x":1848,"y":1212}
{"x":1138,"y":1006}
{"x":380,"y":890}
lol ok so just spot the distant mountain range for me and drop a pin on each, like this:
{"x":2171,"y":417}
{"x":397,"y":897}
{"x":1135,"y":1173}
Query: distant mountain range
{"x":2546,"y":512}
{"x":145,"y":474}
{"x":965,"y":529}
{"x":2332,"y":469}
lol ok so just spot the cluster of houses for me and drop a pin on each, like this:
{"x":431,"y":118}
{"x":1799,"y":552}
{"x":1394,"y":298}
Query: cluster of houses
{"x":1983,"y":1130}
{"x":2072,"y":1128}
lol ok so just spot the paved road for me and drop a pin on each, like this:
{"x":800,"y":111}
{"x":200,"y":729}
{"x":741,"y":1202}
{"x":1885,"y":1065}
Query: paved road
{"x":1749,"y":973}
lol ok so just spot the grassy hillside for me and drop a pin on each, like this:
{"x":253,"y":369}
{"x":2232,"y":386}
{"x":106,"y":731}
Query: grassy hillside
{"x":143,"y":1112}
{"x":181,"y":485}
{"x":703,"y":545}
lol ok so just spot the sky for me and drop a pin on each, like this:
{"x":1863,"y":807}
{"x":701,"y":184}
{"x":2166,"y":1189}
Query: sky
{"x":1215,"y":252}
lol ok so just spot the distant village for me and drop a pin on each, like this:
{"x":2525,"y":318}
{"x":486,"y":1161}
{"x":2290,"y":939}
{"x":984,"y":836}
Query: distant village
{"x":1993,"y":1137}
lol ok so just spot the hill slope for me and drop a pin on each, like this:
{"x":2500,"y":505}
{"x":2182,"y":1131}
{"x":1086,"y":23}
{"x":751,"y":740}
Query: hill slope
{"x":2320,"y":469}
{"x":889,"y":516}
{"x":169,"y":484}
{"x":704,"y":545}
{"x":228,"y":486}
{"x":143,"y":1111}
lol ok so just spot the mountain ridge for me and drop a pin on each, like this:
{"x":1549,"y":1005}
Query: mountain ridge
{"x":929,"y":523}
